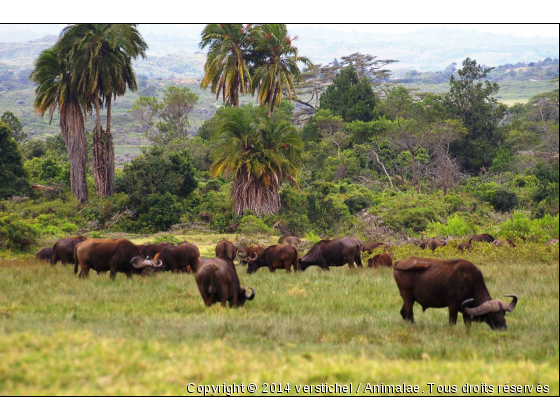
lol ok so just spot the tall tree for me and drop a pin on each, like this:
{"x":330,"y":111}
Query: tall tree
{"x":13,"y":122}
{"x":259,"y":152}
{"x":226,"y":69}
{"x":54,"y":92}
{"x":101,"y":67}
{"x":471,"y":99}
{"x":350,"y":97}
{"x":279,"y":72}
{"x":12,"y":175}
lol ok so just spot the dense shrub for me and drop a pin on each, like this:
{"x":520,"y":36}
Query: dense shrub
{"x":253,"y":226}
{"x":356,"y":203}
{"x":414,"y":219}
{"x":504,"y":200}
{"x":159,"y":212}
{"x":13,"y":180}
{"x":16,"y":233}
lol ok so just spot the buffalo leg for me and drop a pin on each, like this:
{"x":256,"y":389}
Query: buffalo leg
{"x":350,"y":262}
{"x":407,"y":309}
{"x":204,"y":293}
{"x":224,"y":295}
{"x":467,"y":319}
{"x":358,"y":260}
{"x":113,"y":274}
{"x":288,"y":266}
{"x":453,"y":312}
{"x":84,"y":271}
{"x":233,"y":301}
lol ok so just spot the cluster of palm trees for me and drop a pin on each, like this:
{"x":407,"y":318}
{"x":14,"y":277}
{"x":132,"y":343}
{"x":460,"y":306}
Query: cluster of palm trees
{"x":88,"y":67}
{"x":256,"y":59}
{"x":260,"y":151}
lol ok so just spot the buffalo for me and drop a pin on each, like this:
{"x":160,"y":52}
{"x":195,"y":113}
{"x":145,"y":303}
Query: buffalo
{"x":289,"y":240}
{"x":243,"y":253}
{"x":503,"y":242}
{"x":114,"y":255}
{"x":217,"y":280}
{"x":484,"y":237}
{"x":63,"y":250}
{"x":464,"y":246}
{"x":44,"y":254}
{"x":149,"y":251}
{"x":181,"y":257}
{"x":432,"y":244}
{"x":449,"y":283}
{"x":273,"y":257}
{"x":225,"y":249}
{"x":381,"y":260}
{"x":334,"y":252}
{"x":369,"y":247}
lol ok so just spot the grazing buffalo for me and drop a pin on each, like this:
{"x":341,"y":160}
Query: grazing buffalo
{"x":552,"y":242}
{"x":289,"y":240}
{"x":334,"y":252}
{"x":449,"y":283}
{"x":273,"y":257}
{"x":484,"y":237}
{"x":432,"y":244}
{"x":63,"y":250}
{"x":181,"y":257}
{"x":44,"y":254}
{"x":245,"y":252}
{"x":149,"y":251}
{"x":217,"y":281}
{"x":464,"y":246}
{"x":369,"y":247}
{"x":503,"y":242}
{"x":225,"y":249}
{"x":114,"y":255}
{"x":381,"y":260}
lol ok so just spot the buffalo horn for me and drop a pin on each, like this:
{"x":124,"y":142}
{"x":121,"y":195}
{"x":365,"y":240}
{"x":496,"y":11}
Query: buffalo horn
{"x":494,"y":305}
{"x":144,"y":263}
{"x":512,"y":304}
{"x":250,"y":296}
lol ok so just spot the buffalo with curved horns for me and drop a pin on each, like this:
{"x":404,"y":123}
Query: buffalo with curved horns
{"x":456,"y":284}
{"x":114,"y":255}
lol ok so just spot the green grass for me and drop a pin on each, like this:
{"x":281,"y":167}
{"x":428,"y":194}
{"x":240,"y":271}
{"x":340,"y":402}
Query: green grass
{"x":65,"y":336}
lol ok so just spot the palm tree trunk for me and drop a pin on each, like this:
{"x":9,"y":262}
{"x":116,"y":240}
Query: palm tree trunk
{"x":73,"y":131}
{"x":103,"y":156}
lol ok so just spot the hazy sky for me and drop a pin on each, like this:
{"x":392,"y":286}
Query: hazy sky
{"x":527,"y":30}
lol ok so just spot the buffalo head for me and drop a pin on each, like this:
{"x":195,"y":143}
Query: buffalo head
{"x":252,"y":265}
{"x":146,"y":266}
{"x":493,"y":312}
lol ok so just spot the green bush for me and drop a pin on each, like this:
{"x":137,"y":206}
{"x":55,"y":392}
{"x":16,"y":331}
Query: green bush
{"x":356,"y":203}
{"x":415,"y":219}
{"x":159,"y":212}
{"x":504,"y":200}
{"x":16,"y":233}
{"x":521,"y":226}
{"x":456,"y":226}
{"x":253,"y":226}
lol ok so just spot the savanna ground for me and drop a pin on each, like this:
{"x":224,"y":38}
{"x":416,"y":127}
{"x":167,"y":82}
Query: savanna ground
{"x":153,"y":336}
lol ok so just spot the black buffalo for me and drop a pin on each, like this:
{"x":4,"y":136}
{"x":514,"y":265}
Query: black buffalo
{"x":217,"y":281}
{"x":334,"y":252}
{"x":63,"y":250}
{"x":273,"y":257}
{"x":114,"y":255}
{"x":456,"y":284}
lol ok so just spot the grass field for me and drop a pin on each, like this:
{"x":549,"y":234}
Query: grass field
{"x":153,"y":335}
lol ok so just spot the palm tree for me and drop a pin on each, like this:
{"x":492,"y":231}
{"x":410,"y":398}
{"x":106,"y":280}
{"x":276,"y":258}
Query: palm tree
{"x":227,"y":69}
{"x":101,"y":59}
{"x":54,"y":93}
{"x":259,"y":152}
{"x":280,"y":70}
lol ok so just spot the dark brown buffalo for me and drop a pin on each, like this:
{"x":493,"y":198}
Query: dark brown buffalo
{"x":334,"y":252}
{"x":141,"y":248}
{"x":63,"y":250}
{"x":464,"y":246}
{"x":44,"y":254}
{"x":381,"y":260}
{"x":289,"y":240}
{"x":180,"y":258}
{"x":243,"y":253}
{"x":225,"y":249}
{"x":484,"y":237}
{"x":432,"y":244}
{"x":217,"y":281}
{"x":273,"y":257}
{"x":503,"y":242}
{"x":552,"y":242}
{"x":369,"y":247}
{"x":151,"y":250}
{"x":114,"y":255}
{"x":449,"y":283}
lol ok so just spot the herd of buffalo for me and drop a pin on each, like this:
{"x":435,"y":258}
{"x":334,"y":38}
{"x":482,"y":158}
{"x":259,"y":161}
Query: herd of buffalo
{"x":455,"y":284}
